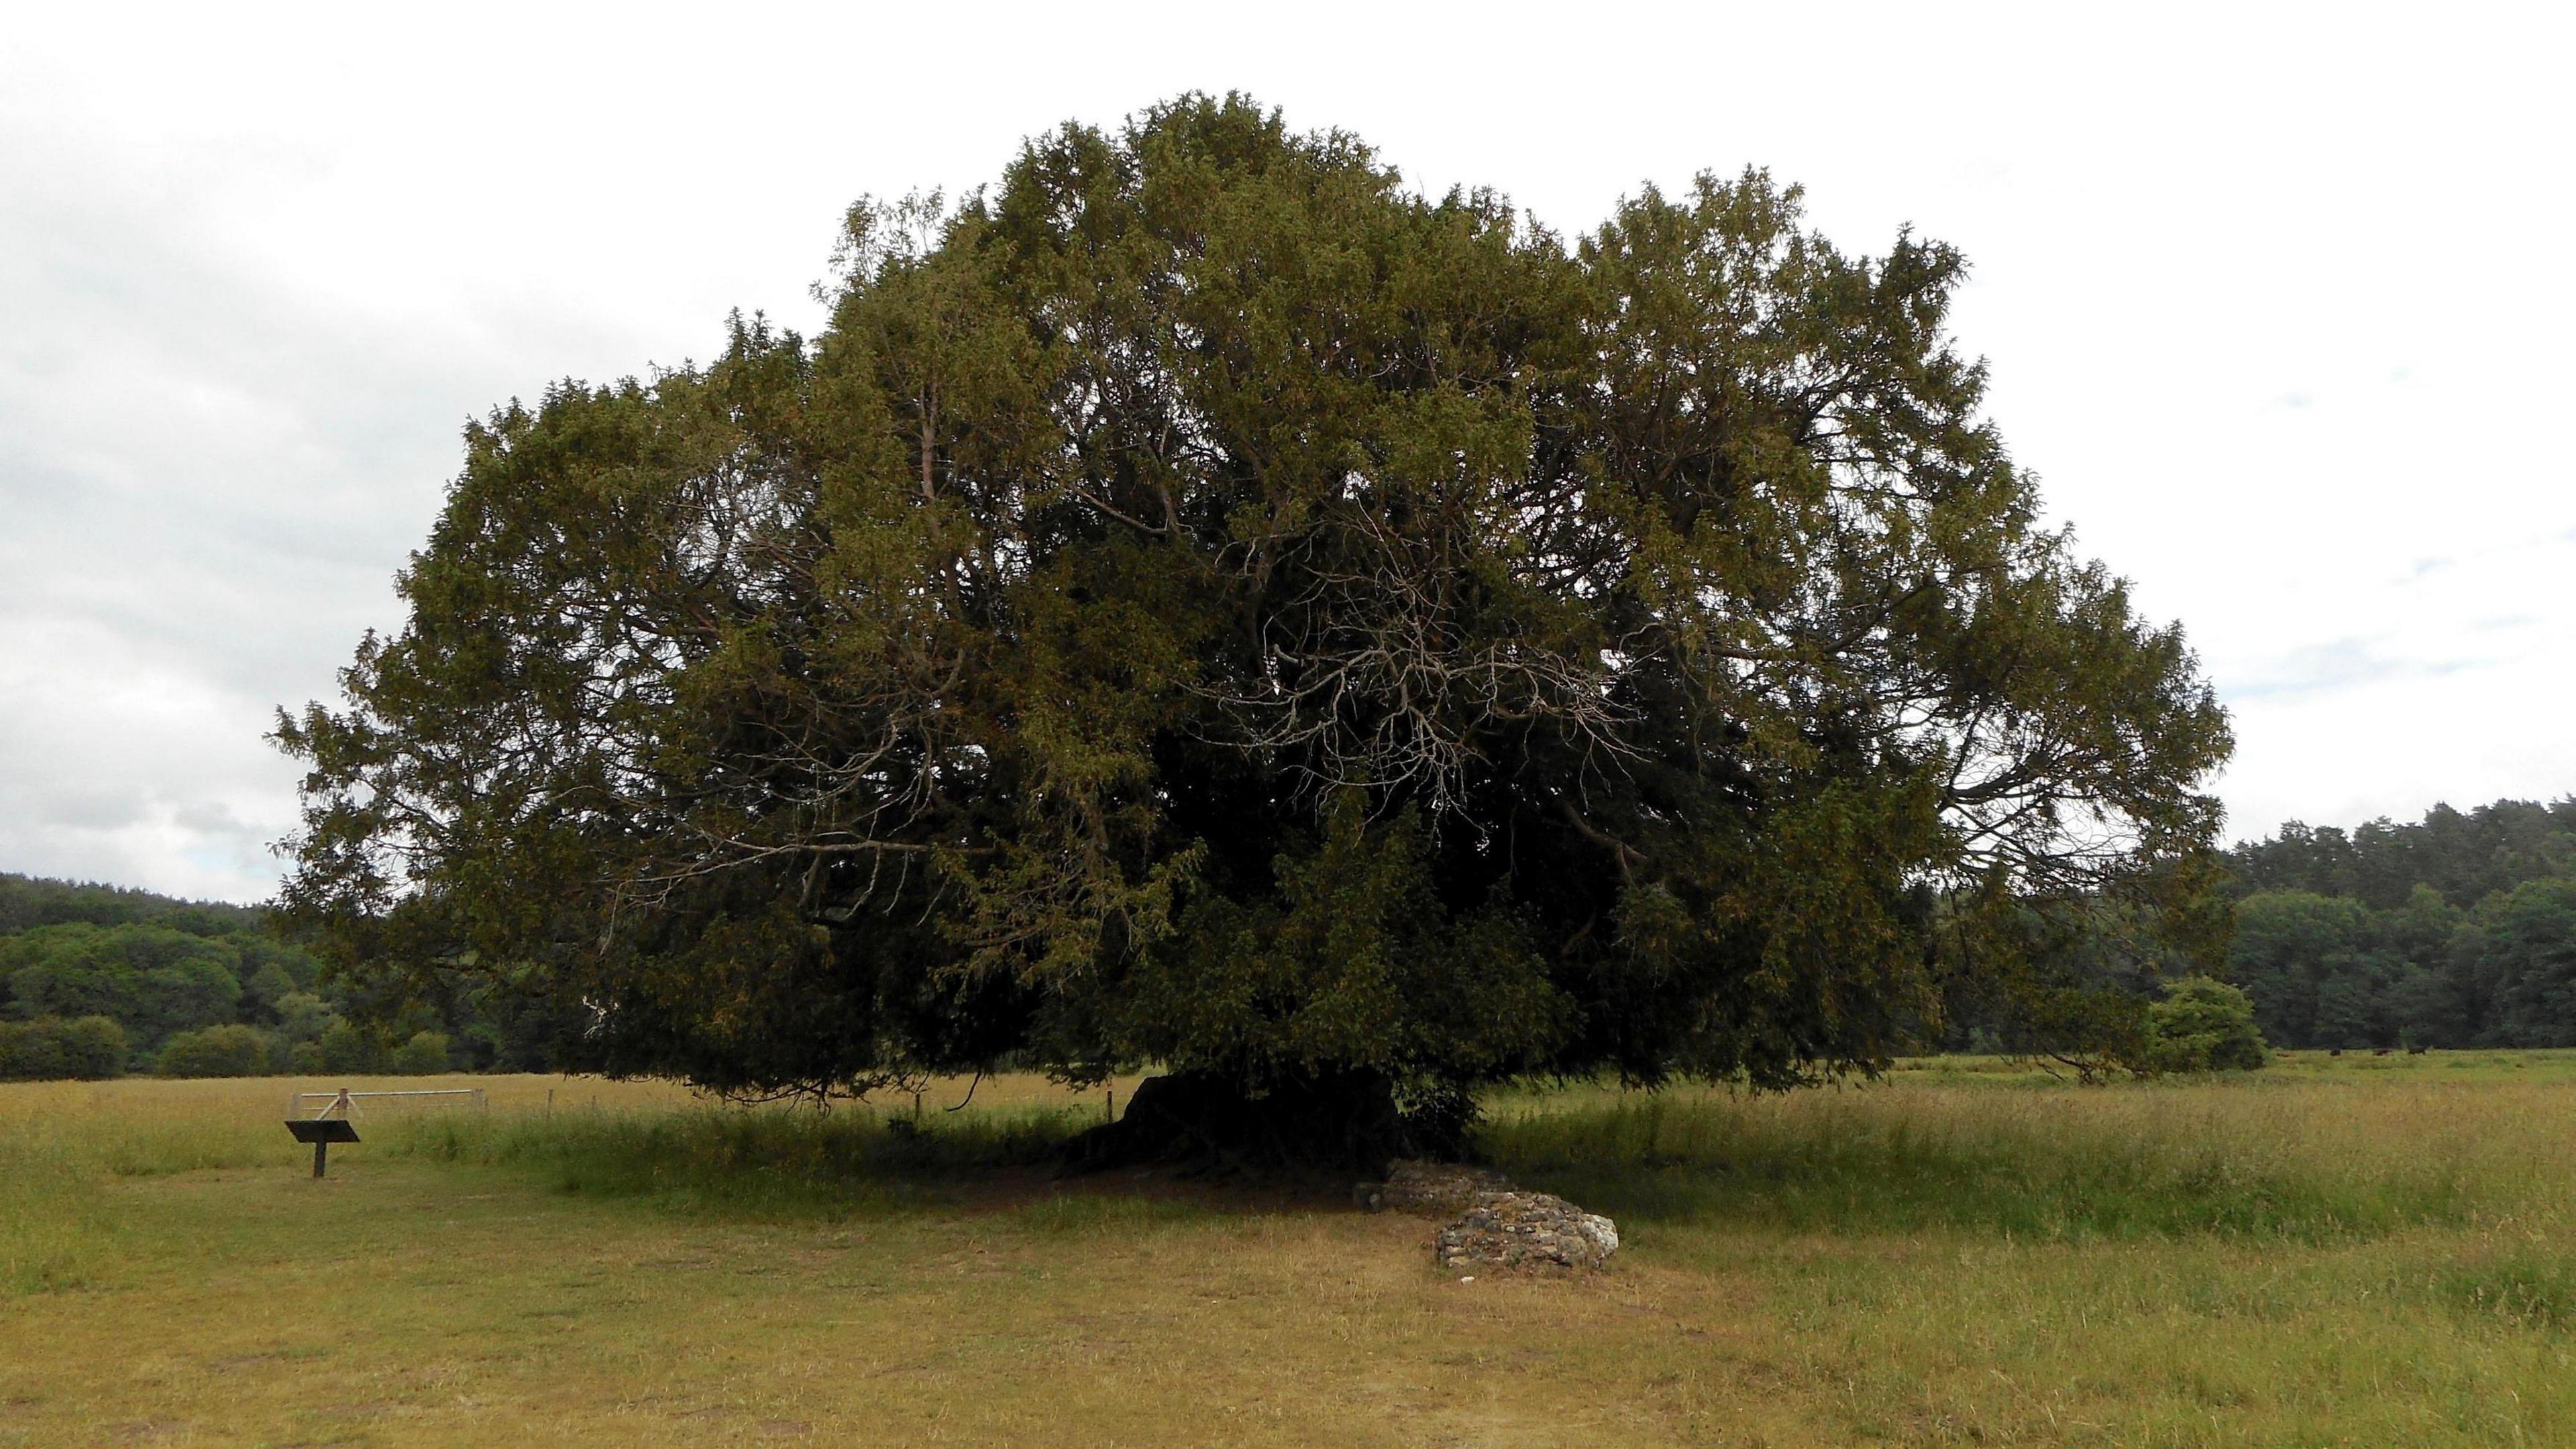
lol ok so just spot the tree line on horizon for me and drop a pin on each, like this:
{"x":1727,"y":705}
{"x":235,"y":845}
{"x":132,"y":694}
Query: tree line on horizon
{"x":2454,"y":931}
{"x":2457,"y":930}
{"x":100,"y":981}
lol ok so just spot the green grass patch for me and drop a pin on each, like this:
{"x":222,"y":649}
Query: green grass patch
{"x":1968,"y":1252}
{"x":2232,"y":1158}
{"x":2533,"y":1286}
{"x":757,"y":1163}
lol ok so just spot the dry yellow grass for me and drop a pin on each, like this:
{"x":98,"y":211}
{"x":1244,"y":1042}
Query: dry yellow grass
{"x":2354,"y":1255}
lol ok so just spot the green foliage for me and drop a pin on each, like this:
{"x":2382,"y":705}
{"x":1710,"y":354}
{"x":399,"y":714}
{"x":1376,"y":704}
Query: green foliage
{"x":2203,"y":1025}
{"x":215,"y":1051}
{"x":1353,"y":966}
{"x":155,"y":967}
{"x":93,"y":1047}
{"x":2077,"y":992}
{"x":87,"y":1048}
{"x":32,"y":1051}
{"x":2462,"y":858}
{"x":263,"y":991}
{"x":343,"y":1050}
{"x":303,"y":1016}
{"x":2520,"y":946}
{"x":26,"y":903}
{"x":1199,"y":600}
{"x":2360,"y":941}
{"x":424,"y":1054}
{"x":151,"y":979}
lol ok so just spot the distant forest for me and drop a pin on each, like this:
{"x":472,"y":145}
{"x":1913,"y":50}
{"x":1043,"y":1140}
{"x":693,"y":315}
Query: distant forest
{"x":2456,"y":931}
{"x":99,"y":981}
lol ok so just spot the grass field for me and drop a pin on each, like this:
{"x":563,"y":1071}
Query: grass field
{"x":2361,"y":1251}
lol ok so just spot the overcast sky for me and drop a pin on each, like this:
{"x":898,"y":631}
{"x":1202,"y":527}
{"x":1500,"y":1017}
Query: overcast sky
{"x":2279,"y":302}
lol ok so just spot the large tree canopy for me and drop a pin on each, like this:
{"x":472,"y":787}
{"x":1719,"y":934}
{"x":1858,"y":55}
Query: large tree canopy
{"x":1201,"y":603}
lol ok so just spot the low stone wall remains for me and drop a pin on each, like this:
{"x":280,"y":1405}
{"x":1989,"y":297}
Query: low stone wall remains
{"x":1494,"y":1226}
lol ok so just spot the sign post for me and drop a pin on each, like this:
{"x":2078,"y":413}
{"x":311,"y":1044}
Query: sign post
{"x":322,"y":1132}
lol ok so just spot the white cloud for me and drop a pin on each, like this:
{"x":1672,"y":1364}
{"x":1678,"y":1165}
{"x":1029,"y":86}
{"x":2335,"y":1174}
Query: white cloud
{"x":2271,"y":298}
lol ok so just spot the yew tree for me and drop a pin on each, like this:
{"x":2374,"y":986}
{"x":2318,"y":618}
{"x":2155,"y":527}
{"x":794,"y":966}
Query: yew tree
{"x":1200,"y":603}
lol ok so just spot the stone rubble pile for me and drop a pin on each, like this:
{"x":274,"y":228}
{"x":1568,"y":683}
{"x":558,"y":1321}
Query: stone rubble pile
{"x":1527,"y":1230}
{"x":1497,"y":1226}
{"x":1429,"y":1187}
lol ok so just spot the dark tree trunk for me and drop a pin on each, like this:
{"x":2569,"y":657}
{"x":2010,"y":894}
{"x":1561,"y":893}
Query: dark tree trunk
{"x":1347,"y":1122}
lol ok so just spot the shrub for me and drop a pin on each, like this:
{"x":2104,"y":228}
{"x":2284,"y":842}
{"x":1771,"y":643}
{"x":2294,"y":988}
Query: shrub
{"x":267,"y":987}
{"x":30,"y":1051}
{"x":93,"y":1048}
{"x":343,"y":1050}
{"x":425,"y":1053}
{"x":2203,"y":1025}
{"x":303,"y":1016}
{"x":50,"y":1048}
{"x":216,"y":1051}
